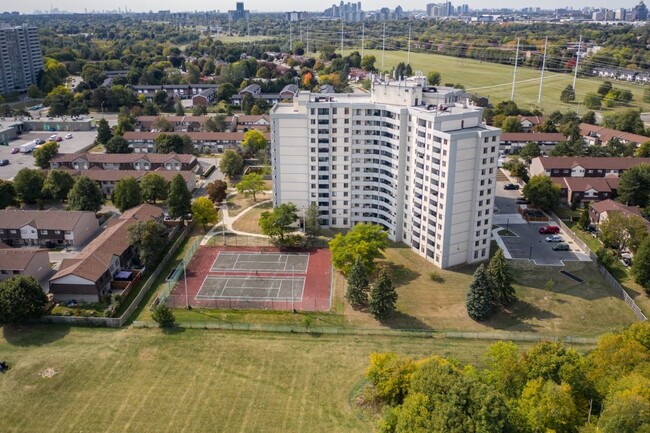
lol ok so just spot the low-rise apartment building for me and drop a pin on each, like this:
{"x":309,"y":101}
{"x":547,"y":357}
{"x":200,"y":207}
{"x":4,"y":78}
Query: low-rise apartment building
{"x":24,"y":262}
{"x":46,"y":227}
{"x":205,"y":142}
{"x":415,"y":159}
{"x":125,"y":161}
{"x":583,"y":166}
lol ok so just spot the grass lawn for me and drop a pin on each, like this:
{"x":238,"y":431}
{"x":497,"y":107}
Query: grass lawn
{"x":139,"y":380}
{"x":238,"y":202}
{"x":586,"y":309}
{"x":249,"y":222}
{"x":495,"y":80}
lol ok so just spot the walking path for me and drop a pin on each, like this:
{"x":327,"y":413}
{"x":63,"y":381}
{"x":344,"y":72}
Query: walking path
{"x":228,"y":222}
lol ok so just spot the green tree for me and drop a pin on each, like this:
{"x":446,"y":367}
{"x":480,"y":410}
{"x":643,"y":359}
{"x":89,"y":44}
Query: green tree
{"x":280,"y":221}
{"x":254,"y":142}
{"x":312,"y":220}
{"x":604,"y":88}
{"x":641,"y":265}
{"x":103,"y":131}
{"x":568,"y":94}
{"x":33,"y":92}
{"x":390,"y":375}
{"x":628,"y":120}
{"x":45,"y":153}
{"x":231,"y":163}
{"x":623,"y":231}
{"x":358,"y":285}
{"x":126,"y":194}
{"x":545,"y":406}
{"x":203,"y":211}
{"x":366,"y":241}
{"x":584,"y":220}
{"x":592,"y":101}
{"x":215,"y":124}
{"x":643,"y":151}
{"x":250,"y":184}
{"x":503,"y":369}
{"x":7,"y":194}
{"x":93,"y":75}
{"x":542,"y":192}
{"x":118,"y":144}
{"x":589,"y":117}
{"x":180,"y":111}
{"x":58,"y":101}
{"x":517,"y":168}
{"x":163,"y":315}
{"x":29,"y":185}
{"x":383,"y":296}
{"x":530,"y":150}
{"x":511,"y":124}
{"x":148,"y":239}
{"x":368,"y":63}
{"x":433,"y":78}
{"x":217,"y":191}
{"x":85,"y":195}
{"x":634,"y":187}
{"x":479,"y":298}
{"x":21,"y":299}
{"x":626,"y":412}
{"x":154,"y":187}
{"x":58,"y":184}
{"x":179,"y":199}
{"x":168,"y":143}
{"x":199,"y":110}
{"x":500,"y":281}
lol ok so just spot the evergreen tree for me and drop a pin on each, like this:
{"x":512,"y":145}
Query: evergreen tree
{"x":500,"y":281}
{"x":179,"y":200}
{"x":383,"y":296}
{"x":641,"y":265}
{"x":103,"y":131}
{"x":357,"y":293}
{"x":312,"y":220}
{"x":163,"y":315}
{"x":583,"y":221}
{"x":479,"y":296}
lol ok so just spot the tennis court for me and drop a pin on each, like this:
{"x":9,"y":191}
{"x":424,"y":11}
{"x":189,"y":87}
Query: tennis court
{"x":230,"y":261}
{"x":251,"y":288}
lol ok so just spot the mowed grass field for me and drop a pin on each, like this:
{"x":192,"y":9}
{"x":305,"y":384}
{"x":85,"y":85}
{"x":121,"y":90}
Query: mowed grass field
{"x":574,"y":309}
{"x":495,"y":80}
{"x":143,"y":380}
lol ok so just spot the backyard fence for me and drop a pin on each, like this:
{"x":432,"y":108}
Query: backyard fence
{"x":116,"y":322}
{"x":603,"y":271}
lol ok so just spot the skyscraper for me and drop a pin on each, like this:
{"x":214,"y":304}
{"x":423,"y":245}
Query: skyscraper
{"x":21,"y":58}
{"x":412,"y":158}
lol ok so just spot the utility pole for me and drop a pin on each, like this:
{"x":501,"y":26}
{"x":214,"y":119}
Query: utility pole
{"x":341,"y":37}
{"x":383,"y":46}
{"x":541,"y":80}
{"x":514,"y":74}
{"x":363,"y":38}
{"x":290,"y":37}
{"x":408,"y":56}
{"x":575,"y":71}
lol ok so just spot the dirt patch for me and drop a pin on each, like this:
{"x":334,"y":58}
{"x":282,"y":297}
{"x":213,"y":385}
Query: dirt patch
{"x":148,"y":354}
{"x":49,"y":372}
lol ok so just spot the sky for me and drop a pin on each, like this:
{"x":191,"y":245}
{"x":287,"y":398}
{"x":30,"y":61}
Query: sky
{"x":29,"y":6}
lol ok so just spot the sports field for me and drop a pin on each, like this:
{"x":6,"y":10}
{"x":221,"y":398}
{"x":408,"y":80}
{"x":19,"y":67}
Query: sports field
{"x":143,"y":380}
{"x":495,"y":80}
{"x":256,"y":278}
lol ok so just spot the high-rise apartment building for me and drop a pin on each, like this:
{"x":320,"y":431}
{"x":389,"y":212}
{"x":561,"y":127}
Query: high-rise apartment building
{"x":239,"y":13}
{"x":413,"y":158}
{"x":21,"y":58}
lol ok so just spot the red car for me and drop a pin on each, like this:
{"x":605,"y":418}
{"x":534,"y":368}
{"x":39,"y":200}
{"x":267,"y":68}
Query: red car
{"x":549,"y":230}
{"x":59,"y":139}
{"x":15,"y":150}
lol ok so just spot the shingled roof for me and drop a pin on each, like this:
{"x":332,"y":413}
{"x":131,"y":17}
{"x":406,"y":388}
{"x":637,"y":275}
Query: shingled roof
{"x":50,"y":219}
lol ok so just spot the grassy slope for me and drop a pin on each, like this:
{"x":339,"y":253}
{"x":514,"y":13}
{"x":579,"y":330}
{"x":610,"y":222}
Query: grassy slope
{"x":133,"y":380}
{"x":495,"y":81}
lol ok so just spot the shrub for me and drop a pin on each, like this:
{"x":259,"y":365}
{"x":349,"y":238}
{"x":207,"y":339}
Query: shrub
{"x":436,"y":277}
{"x":164,"y":316}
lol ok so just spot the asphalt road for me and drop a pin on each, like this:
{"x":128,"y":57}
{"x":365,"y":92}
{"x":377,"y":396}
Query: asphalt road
{"x":18,"y":161}
{"x":529,"y":244}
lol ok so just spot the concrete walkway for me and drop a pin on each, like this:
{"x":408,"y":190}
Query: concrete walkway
{"x":228,"y":222}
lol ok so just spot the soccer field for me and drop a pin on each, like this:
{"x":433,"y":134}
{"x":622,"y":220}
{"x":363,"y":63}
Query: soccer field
{"x":143,"y":380}
{"x":495,"y":80}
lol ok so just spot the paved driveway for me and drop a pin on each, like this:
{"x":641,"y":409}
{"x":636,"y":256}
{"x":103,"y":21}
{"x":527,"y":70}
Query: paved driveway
{"x":529,"y":244}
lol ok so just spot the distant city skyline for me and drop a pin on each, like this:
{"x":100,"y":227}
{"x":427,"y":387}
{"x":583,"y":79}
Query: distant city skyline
{"x":29,"y":6}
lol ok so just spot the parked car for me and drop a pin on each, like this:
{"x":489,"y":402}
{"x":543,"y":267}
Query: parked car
{"x":561,"y":247}
{"x":4,"y":162}
{"x":522,"y":200}
{"x":68,"y":136}
{"x":511,"y":186}
{"x":627,"y":261}
{"x":39,"y":141}
{"x":53,"y":137}
{"x":549,"y":230}
{"x":15,"y":150}
{"x":553,"y":238}
{"x":58,"y":139}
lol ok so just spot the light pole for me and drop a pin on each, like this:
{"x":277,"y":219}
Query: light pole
{"x":187,"y":296}
{"x":224,"y":208}
{"x":293,"y":268}
{"x":530,"y":252}
{"x":507,"y":224}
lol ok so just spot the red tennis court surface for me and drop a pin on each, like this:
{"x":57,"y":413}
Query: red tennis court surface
{"x":256,"y":278}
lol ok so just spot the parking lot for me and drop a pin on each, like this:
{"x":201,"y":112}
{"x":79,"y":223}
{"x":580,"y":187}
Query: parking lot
{"x":18,"y":161}
{"x":530,"y":244}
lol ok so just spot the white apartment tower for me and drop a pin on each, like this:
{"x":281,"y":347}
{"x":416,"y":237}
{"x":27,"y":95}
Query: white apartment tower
{"x":21,"y":58}
{"x":410,"y":157}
